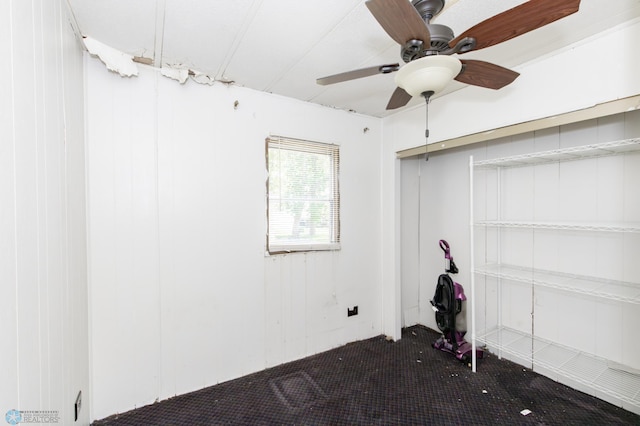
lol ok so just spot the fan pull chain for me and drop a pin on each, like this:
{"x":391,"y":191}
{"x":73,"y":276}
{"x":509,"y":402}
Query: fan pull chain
{"x":427,"y":96}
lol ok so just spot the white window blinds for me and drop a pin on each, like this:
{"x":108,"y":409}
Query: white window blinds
{"x":303,"y":207}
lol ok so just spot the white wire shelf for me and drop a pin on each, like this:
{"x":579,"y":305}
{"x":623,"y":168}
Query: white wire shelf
{"x":591,"y":371}
{"x":631,"y":227}
{"x":580,"y":284}
{"x":562,"y":154}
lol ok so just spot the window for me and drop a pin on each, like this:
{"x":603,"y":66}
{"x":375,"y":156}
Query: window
{"x":303,"y":206}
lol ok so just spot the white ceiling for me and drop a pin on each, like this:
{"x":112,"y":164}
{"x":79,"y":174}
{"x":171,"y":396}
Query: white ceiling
{"x":282,"y":46}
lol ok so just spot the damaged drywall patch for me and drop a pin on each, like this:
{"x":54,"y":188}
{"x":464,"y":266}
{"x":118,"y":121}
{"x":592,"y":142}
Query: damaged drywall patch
{"x":126,"y":65}
{"x":179,"y":74}
{"x":115,"y":60}
{"x":202,"y":78}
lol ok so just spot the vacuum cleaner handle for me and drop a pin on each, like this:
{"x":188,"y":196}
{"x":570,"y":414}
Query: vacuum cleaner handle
{"x":451,"y":266}
{"x":445,"y":248}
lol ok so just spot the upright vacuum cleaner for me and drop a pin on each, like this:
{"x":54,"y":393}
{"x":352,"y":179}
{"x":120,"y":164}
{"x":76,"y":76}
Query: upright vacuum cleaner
{"x":449,"y":304}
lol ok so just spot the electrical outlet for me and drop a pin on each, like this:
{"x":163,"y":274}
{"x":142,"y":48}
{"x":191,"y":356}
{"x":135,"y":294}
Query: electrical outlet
{"x":78,"y":405}
{"x":352,"y":312}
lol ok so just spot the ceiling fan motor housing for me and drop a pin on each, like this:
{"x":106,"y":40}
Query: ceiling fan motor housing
{"x":441,"y":35}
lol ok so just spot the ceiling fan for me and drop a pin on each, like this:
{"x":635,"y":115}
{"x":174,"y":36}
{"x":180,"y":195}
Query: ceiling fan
{"x":427,"y":48}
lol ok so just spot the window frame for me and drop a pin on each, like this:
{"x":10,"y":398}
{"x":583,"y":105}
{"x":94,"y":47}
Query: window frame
{"x":311,"y":147}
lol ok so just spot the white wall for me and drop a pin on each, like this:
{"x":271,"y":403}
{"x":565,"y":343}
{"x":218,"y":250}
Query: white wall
{"x":43,"y":320}
{"x":182,"y":294}
{"x":410,"y":241}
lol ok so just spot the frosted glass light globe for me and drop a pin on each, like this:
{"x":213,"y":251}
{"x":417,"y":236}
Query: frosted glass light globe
{"x":431,"y":73}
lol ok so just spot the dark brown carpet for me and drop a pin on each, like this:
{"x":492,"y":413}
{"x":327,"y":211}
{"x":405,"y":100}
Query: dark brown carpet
{"x":377,"y":382}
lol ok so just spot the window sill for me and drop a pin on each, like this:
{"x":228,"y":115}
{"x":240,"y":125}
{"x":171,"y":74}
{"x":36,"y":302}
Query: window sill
{"x":298,"y":248}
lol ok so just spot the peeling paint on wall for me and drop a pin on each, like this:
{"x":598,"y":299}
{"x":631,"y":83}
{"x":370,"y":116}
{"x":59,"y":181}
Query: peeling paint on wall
{"x":125,"y":64}
{"x":179,"y":74}
{"x":115,"y":60}
{"x":202,"y":78}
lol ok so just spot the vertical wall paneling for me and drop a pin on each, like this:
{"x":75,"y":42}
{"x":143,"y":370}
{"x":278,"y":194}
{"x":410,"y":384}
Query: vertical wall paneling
{"x":124,"y":205}
{"x":42,"y":196}
{"x":411,"y":295}
{"x":9,"y":376}
{"x":177,"y":223}
{"x":77,"y":363}
{"x":28,"y":226}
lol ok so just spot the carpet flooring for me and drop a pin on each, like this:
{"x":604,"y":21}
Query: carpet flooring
{"x":378,"y":382}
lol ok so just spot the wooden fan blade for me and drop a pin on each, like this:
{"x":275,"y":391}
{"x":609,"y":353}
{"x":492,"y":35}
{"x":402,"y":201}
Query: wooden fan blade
{"x":400,"y":20}
{"x":517,"y":21}
{"x":485,"y":74}
{"x":352,"y":75}
{"x":399,"y":98}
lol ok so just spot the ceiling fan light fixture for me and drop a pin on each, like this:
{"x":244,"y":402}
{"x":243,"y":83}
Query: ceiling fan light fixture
{"x":428,"y":74}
